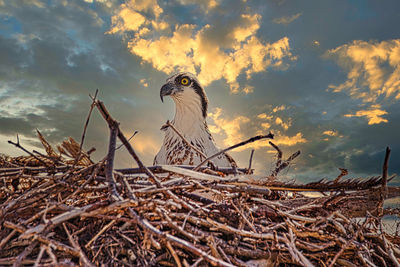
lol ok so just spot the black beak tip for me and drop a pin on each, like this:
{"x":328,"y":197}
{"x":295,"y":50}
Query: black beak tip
{"x":162,"y":99}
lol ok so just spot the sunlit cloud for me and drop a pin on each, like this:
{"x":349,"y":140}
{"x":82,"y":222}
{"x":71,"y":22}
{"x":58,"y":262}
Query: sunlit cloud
{"x":248,"y":89}
{"x":279,"y":121}
{"x":278,"y":108}
{"x":373,"y":115}
{"x":188,"y":47}
{"x":234,"y":130}
{"x":230,"y":127}
{"x":373,"y":69}
{"x":264,"y":116}
{"x":206,"y":5}
{"x":144,"y":82}
{"x":330,"y":133}
{"x":290,"y":140}
{"x":287,"y":20}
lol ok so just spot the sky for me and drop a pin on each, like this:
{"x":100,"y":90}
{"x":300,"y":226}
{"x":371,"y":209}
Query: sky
{"x":323,"y":76}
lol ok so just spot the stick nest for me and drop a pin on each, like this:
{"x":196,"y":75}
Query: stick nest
{"x":63,"y":209}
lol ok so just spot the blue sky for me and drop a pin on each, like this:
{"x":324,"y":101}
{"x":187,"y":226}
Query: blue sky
{"x":324,"y":76}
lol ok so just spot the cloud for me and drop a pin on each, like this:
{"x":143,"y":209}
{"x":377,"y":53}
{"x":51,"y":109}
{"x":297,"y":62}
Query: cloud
{"x":279,"y":121}
{"x":330,"y":133}
{"x":287,"y":20}
{"x":238,"y":128}
{"x":373,"y":69}
{"x":373,"y":114}
{"x":230,"y":127}
{"x":212,"y":51}
{"x":206,"y":5}
{"x":283,"y":140}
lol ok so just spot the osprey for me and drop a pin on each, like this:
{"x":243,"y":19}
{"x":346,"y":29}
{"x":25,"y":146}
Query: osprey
{"x":190,"y":120}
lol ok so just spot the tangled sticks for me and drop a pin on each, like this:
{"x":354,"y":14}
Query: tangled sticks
{"x":60,"y":211}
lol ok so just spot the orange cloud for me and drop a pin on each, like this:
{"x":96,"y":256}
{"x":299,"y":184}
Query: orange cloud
{"x":231,"y":129}
{"x":373,"y":115}
{"x":373,"y":69}
{"x":330,"y":133}
{"x":290,"y":140}
{"x":279,"y":121}
{"x":189,"y":48}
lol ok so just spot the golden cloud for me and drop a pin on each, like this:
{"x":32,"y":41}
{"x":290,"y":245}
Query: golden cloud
{"x":231,"y":129}
{"x":278,"y":108}
{"x":279,"y":121}
{"x":189,"y":48}
{"x":330,"y":133}
{"x":206,"y":5}
{"x":373,"y":114}
{"x":373,"y":69}
{"x":290,"y":140}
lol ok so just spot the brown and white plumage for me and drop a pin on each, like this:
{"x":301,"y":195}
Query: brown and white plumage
{"x":190,"y":120}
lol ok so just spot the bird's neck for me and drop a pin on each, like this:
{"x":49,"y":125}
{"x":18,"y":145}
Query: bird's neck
{"x":188,"y":113}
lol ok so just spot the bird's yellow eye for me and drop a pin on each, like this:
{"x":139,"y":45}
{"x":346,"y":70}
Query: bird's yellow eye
{"x":185,"y":81}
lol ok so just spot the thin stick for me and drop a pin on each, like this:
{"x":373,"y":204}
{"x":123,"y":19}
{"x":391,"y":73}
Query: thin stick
{"x":85,"y":127}
{"x":105,"y":228}
{"x":17,"y":144}
{"x":285,"y":164}
{"x":75,"y":244}
{"x":250,"y":161}
{"x":279,"y":160}
{"x":253,"y":139}
{"x":174,"y":255}
{"x":39,"y":257}
{"x":25,"y":253}
{"x":106,"y":115}
{"x":129,"y":139}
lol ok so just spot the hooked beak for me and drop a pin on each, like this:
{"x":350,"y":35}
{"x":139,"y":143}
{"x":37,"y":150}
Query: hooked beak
{"x":166,"y":89}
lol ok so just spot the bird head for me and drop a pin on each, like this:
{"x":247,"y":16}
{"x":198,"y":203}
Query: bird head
{"x":183,"y":87}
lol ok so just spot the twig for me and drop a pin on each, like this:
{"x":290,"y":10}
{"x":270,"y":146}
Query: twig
{"x":129,"y":139}
{"x":174,"y":255}
{"x":348,"y":242}
{"x":75,"y":244}
{"x":250,"y":161}
{"x":25,"y":253}
{"x":40,"y":255}
{"x":253,"y":139}
{"x":343,"y":172}
{"x":105,"y":228}
{"x":279,"y":156}
{"x":17,"y":144}
{"x":106,"y":115}
{"x":284,"y":164}
{"x":85,"y":127}
{"x":45,"y":240}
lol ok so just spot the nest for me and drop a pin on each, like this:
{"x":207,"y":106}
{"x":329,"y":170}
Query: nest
{"x":64,"y":209}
